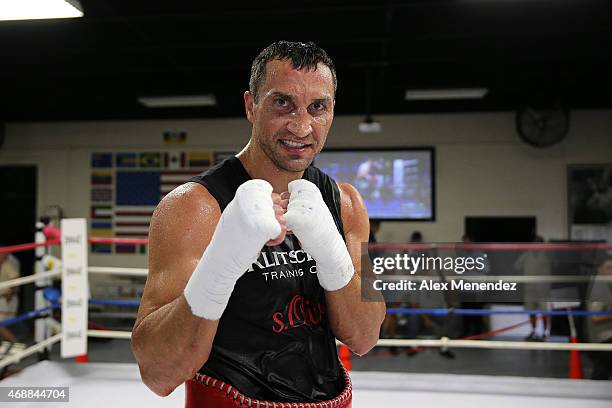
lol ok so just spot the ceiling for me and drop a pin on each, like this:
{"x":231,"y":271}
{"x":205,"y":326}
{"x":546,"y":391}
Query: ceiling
{"x":96,"y":67}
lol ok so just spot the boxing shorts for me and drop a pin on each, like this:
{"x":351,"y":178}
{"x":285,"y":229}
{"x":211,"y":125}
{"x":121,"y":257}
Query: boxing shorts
{"x":204,"y":391}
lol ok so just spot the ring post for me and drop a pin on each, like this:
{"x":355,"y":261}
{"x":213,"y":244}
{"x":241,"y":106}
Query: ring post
{"x":74,"y":288}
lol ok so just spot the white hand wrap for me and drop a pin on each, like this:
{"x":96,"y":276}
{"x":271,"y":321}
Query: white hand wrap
{"x":310,"y":220}
{"x":245,"y":226}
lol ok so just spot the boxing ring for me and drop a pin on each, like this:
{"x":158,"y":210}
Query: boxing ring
{"x":119,"y":385}
{"x":98,"y":385}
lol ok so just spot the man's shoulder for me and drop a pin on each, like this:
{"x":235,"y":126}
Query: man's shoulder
{"x":223,"y":169}
{"x":223,"y":179}
{"x":354,"y":211}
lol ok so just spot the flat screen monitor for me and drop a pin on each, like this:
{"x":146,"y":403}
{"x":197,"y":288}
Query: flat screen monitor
{"x":395,"y":184}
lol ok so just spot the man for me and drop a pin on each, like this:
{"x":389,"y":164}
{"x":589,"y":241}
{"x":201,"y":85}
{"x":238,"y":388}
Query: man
{"x":599,"y":327}
{"x":234,"y":299}
{"x":9,"y":298}
{"x":536,"y":263}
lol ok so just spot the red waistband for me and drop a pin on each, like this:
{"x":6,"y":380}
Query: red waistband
{"x":204,"y":391}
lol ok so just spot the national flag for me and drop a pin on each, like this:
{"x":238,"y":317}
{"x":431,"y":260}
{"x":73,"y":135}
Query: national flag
{"x":199,"y":159}
{"x":101,"y":194}
{"x":174,"y":160}
{"x":137,"y":188}
{"x":126,"y":160}
{"x":101,"y":248}
{"x":132,"y":221}
{"x":101,"y":211}
{"x":101,"y":177}
{"x":101,"y":228}
{"x":150,"y":160}
{"x":130,"y":249}
{"x":125,"y":249}
{"x":101,"y":160}
{"x":171,"y":179}
{"x":174,"y":136}
{"x":136,"y":196}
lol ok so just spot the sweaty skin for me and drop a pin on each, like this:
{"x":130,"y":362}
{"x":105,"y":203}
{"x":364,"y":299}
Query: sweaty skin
{"x":290,"y":122}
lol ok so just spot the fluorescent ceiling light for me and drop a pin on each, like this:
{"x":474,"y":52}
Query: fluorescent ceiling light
{"x":372,"y":127}
{"x":181,"y":101}
{"x":441,"y":94}
{"x":369,"y":125}
{"x":39,"y":9}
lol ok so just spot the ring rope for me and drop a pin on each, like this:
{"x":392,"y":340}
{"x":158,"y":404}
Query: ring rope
{"x":28,"y":315}
{"x":15,"y":358}
{"x":26,"y":247}
{"x":29,"y":279}
{"x":507,"y":278}
{"x":526,"y":246}
{"x":485,"y":312}
{"x":114,"y":302}
{"x":495,"y":344}
{"x":112,"y":270}
{"x":110,"y":334}
{"x":133,"y":241}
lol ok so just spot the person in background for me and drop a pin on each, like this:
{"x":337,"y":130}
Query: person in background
{"x":417,"y":238}
{"x":374,"y":228}
{"x":9,"y":299}
{"x":472,"y":324}
{"x":535,"y":263}
{"x":599,"y":328}
{"x":389,"y":326}
{"x":416,"y":324}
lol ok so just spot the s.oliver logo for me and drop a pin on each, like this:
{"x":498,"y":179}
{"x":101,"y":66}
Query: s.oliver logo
{"x":300,"y":312}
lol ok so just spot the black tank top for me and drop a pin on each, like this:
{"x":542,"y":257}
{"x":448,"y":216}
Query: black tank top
{"x":274,"y":341}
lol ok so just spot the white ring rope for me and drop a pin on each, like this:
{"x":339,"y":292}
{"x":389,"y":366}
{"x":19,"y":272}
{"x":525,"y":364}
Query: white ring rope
{"x":17,"y":357}
{"x":111,"y":270}
{"x":29,"y":279}
{"x":109,"y":334}
{"x":443,"y":342}
{"x":494,"y":344}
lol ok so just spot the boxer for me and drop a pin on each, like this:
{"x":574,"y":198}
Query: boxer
{"x":254,"y":266}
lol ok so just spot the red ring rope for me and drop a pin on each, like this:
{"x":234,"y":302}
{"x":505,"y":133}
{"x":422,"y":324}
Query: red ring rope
{"x":92,"y":240}
{"x":575,"y":246}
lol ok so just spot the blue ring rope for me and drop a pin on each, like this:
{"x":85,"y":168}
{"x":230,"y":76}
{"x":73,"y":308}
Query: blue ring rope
{"x":29,"y":315}
{"x":436,"y":312}
{"x":114,"y":302}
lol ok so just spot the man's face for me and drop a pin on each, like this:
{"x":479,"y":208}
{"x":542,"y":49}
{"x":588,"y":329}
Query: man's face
{"x":293,"y":115}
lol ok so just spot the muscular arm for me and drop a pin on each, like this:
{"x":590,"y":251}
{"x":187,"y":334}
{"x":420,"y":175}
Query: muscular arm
{"x":170,"y":343}
{"x":355,"y":323}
